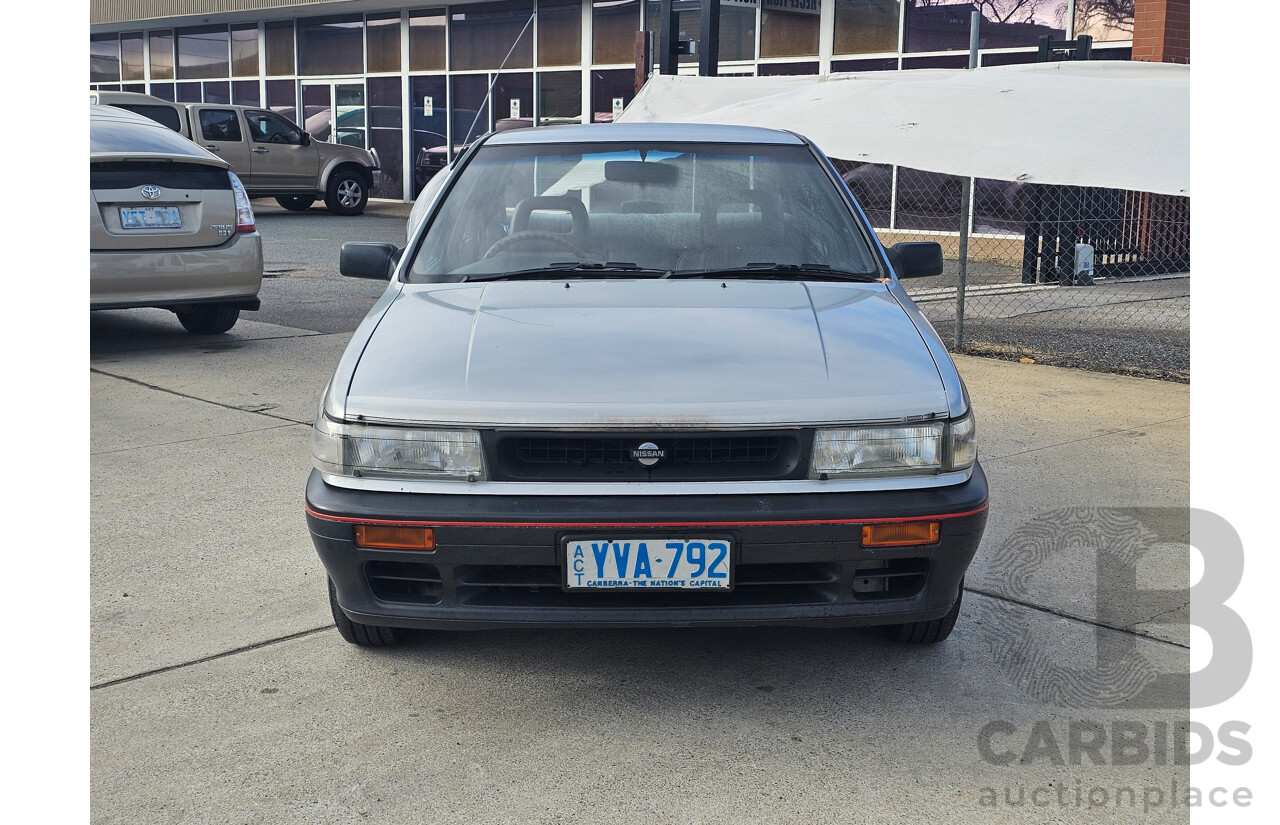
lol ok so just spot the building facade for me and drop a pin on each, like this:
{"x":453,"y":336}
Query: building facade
{"x":404,"y":79}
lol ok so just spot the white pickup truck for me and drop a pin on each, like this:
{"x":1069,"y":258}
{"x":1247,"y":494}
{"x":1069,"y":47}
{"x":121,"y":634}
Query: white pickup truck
{"x":273,"y":156}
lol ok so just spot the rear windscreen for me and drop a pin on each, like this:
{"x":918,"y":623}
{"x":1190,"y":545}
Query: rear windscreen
{"x":129,"y":174}
{"x":164,"y":115}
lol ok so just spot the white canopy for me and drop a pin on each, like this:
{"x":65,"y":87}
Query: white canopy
{"x":1118,"y":124}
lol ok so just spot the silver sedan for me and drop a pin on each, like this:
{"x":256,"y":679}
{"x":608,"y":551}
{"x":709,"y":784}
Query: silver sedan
{"x":644,"y":375}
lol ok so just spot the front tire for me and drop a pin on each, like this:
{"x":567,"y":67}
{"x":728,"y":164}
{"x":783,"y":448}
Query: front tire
{"x":931,"y":632}
{"x":209,"y":319}
{"x":361,"y":635}
{"x":296,"y":203}
{"x":346,"y":193}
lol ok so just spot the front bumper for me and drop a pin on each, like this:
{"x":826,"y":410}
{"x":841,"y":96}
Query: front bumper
{"x":497,"y":563}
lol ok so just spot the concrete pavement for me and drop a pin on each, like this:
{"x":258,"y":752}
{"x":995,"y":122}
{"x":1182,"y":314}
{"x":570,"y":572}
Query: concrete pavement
{"x":220,"y":691}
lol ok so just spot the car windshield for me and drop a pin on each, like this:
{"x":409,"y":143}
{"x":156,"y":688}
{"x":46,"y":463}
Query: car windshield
{"x":629,"y":210}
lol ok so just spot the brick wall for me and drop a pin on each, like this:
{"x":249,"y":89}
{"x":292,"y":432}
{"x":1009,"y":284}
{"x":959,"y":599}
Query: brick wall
{"x":1162,"y":31}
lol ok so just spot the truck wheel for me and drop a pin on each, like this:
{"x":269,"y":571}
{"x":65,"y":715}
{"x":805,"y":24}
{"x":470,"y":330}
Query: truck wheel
{"x":931,"y":632}
{"x":346,"y":193}
{"x":296,"y":203}
{"x":363,"y":635}
{"x":209,"y":319}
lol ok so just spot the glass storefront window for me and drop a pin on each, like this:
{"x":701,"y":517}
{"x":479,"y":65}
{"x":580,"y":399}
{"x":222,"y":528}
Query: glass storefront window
{"x":737,"y":32}
{"x":430,"y":108}
{"x":874,"y":64}
{"x":245,"y":93}
{"x":282,"y":98}
{"x":1104,"y":20}
{"x":190,"y":93}
{"x":513,"y":97}
{"x":279,"y":44}
{"x":867,"y":26}
{"x":204,"y":51}
{"x":385,"y":123}
{"x":383,"y":34}
{"x":470,"y":93}
{"x":789,"y":28}
{"x":688,"y":24}
{"x":559,"y":97}
{"x":217,"y":91}
{"x":244,"y":50}
{"x":161,"y":47}
{"x":104,"y":58}
{"x":941,"y":61}
{"x":133,"y":64}
{"x":614,"y":24}
{"x":1008,"y":58}
{"x":737,"y":29}
{"x":331,"y":45}
{"x":943,"y":25}
{"x":164,"y":91}
{"x":559,"y":33}
{"x":426,"y":41}
{"x":481,"y":36}
{"x":607,"y":85}
{"x":784,"y":69}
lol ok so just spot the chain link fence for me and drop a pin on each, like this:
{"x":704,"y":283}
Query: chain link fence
{"x":1014,"y":250}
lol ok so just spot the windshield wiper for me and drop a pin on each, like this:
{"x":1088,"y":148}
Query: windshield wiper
{"x":800,"y":271}
{"x":556,"y":270}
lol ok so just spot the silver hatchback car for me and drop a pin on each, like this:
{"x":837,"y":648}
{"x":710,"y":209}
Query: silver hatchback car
{"x":644,"y":375}
{"x":170,"y":225}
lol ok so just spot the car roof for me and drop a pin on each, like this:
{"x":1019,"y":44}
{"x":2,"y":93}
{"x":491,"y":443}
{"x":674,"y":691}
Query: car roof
{"x":116,"y":134}
{"x":128,"y":97}
{"x":644,"y":132}
{"x":117,"y":98}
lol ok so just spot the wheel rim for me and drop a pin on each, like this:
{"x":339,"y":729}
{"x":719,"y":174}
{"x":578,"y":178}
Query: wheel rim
{"x":348,"y":193}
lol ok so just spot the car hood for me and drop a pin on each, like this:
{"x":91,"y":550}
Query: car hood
{"x":645,"y":353}
{"x":330,"y":151}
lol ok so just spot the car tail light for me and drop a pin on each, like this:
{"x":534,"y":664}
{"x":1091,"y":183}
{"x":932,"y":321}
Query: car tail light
{"x":395,"y":538}
{"x":244,"y":211}
{"x":900,"y":534}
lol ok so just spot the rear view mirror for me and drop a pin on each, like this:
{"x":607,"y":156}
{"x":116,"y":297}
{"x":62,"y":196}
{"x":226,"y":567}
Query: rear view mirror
{"x":916,"y":260}
{"x":369,"y":260}
{"x":306,"y":138}
{"x":637,"y":171}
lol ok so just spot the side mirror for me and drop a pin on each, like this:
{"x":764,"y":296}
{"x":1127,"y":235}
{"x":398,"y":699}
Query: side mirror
{"x":306,"y":138}
{"x":376,"y":261}
{"x":916,"y":260}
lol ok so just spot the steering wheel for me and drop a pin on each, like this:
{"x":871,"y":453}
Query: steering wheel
{"x":535,"y":236}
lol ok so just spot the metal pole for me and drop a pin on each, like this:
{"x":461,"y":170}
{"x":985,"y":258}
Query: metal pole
{"x":644,"y":46}
{"x":974,"y":17}
{"x":709,"y":48}
{"x":668,"y":62}
{"x":966,"y":202}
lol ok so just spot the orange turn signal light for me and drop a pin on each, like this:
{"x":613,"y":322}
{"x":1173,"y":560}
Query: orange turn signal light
{"x":900,"y":534}
{"x":385,"y":537}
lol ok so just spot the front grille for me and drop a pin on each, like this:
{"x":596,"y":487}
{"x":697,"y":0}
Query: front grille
{"x":395,"y":581}
{"x":610,"y":457}
{"x":539,"y":586}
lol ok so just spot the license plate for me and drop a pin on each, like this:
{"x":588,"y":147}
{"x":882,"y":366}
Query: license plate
{"x":150,"y":217}
{"x":648,"y":563}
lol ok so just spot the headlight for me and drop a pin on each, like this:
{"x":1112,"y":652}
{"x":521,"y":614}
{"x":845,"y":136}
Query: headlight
{"x":916,"y":449}
{"x":962,"y":443}
{"x":395,"y":452}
